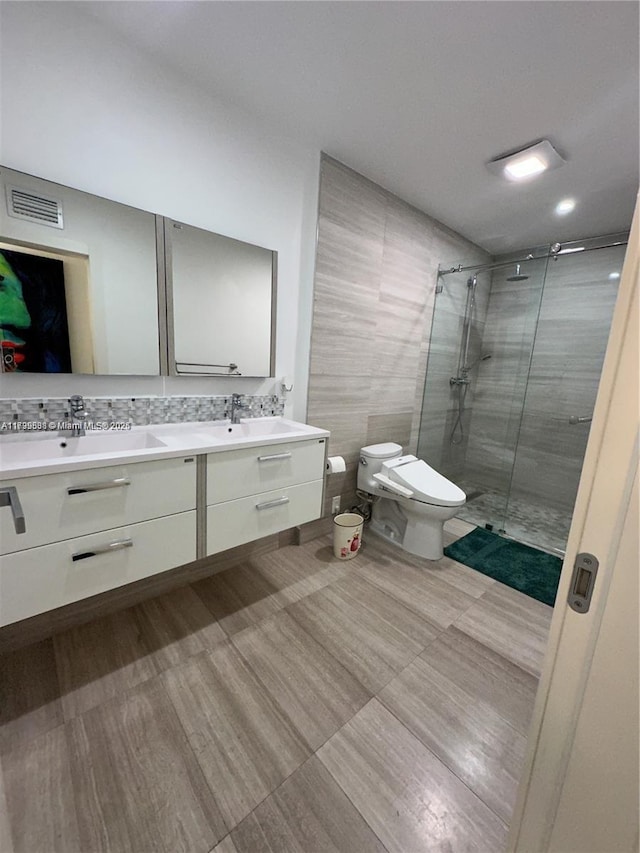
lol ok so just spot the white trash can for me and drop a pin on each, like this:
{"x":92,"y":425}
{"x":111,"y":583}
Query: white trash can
{"x":347,"y":535}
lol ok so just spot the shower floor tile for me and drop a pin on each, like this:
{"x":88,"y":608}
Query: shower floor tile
{"x":526,"y":521}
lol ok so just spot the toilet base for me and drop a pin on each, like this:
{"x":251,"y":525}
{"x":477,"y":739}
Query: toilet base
{"x":424,"y":538}
{"x":415,"y":532}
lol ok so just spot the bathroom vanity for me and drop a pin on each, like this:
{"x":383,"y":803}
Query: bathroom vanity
{"x":83,"y":515}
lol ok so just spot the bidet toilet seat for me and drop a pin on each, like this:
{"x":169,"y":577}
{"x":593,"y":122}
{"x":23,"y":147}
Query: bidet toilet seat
{"x":426,"y":484}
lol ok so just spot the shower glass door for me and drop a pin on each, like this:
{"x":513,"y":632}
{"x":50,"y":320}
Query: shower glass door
{"x":471,"y":418}
{"x":576,"y":310}
{"x":512,"y":375}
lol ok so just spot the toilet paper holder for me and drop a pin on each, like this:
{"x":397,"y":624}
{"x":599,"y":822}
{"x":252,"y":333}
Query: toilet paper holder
{"x":336,"y":465}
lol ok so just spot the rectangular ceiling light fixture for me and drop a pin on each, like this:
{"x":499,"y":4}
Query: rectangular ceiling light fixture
{"x":526,"y":163}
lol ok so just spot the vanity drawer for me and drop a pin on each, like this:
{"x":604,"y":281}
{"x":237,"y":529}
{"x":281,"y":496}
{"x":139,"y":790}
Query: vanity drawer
{"x":252,"y":470}
{"x":57,"y":507}
{"x":44,"y":578}
{"x":236,"y":522}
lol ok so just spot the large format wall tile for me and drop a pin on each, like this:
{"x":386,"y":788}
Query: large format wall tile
{"x":395,"y":426}
{"x":376,"y":270}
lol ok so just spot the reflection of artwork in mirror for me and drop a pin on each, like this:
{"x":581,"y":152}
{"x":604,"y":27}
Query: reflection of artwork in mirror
{"x":33,"y":314}
{"x":108,"y":252}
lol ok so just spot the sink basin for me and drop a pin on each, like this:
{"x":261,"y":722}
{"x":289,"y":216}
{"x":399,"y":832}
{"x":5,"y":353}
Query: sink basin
{"x":255,"y":428}
{"x":29,"y":450}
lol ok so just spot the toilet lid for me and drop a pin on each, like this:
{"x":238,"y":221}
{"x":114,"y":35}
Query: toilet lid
{"x":381,"y":451}
{"x":427,"y":485}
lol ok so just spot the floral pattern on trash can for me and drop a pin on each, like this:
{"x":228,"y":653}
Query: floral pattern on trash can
{"x":347,"y":535}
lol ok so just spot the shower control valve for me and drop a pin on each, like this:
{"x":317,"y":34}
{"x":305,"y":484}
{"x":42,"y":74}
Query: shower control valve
{"x":458,"y":380}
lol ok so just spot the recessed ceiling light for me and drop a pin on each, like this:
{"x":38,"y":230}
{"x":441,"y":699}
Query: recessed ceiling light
{"x":571,"y":250}
{"x":526,"y":162}
{"x":524,"y":167}
{"x":614,"y":275}
{"x":565,"y":206}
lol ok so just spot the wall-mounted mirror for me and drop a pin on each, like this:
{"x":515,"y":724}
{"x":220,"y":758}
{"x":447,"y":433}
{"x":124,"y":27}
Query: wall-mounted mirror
{"x":82,"y":285}
{"x":79,"y":290}
{"x":221,"y":296}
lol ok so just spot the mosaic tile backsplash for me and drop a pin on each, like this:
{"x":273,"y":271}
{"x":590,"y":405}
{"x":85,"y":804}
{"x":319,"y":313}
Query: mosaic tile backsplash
{"x":138,"y":411}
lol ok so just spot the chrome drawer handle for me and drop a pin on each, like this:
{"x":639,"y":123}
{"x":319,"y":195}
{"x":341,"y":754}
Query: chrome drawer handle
{"x":274,"y":456}
{"x":9,"y":497}
{"x":269,"y":504}
{"x":103,"y":549}
{"x":98,"y":487}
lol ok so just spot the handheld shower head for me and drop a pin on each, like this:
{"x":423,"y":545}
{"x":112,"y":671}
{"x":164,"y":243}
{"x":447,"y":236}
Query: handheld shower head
{"x":518,"y":276}
{"x":484,"y":357}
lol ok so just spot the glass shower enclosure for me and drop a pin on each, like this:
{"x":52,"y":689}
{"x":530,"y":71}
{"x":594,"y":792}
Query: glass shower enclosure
{"x":514,"y":362}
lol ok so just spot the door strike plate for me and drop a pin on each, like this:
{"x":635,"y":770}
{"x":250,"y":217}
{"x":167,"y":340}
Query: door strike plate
{"x":583,"y":580}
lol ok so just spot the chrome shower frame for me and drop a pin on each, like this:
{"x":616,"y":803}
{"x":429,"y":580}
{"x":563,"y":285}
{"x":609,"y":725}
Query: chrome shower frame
{"x":554,"y":251}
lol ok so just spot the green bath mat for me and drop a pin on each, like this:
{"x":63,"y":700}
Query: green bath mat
{"x":521,"y":567}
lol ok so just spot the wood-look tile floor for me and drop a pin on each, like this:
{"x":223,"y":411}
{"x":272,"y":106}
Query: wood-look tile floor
{"x":294,"y":703}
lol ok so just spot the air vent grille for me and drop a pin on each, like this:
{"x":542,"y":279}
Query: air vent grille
{"x":23,"y":204}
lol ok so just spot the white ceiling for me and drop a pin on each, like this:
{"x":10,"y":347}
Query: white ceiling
{"x":418,"y":96}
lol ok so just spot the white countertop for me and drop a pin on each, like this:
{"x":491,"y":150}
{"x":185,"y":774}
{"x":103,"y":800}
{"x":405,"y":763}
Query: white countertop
{"x":32,"y":454}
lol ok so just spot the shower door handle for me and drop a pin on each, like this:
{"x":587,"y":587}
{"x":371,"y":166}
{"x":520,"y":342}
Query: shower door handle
{"x":583,"y":419}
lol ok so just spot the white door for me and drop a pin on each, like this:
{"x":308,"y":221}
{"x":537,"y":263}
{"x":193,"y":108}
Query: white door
{"x":579,"y":789}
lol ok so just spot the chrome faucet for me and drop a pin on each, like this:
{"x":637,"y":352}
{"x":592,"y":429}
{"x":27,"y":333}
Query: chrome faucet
{"x":237,"y":407}
{"x":78,"y":416}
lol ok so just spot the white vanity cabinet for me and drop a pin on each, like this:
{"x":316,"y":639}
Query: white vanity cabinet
{"x":87,"y":531}
{"x":256,"y":491}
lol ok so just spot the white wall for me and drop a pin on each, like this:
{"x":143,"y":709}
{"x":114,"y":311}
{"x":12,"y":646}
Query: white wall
{"x":82,"y":108}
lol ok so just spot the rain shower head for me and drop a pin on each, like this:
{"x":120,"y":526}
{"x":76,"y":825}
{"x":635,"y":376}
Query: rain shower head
{"x":518,"y":276}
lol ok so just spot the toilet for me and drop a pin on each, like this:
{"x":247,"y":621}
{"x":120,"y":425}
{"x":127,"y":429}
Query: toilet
{"x":412,"y":501}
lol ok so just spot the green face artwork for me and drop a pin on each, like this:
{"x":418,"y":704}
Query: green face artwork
{"x":13,"y":310}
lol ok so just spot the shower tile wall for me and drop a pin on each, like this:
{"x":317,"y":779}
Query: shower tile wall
{"x":376,"y":268}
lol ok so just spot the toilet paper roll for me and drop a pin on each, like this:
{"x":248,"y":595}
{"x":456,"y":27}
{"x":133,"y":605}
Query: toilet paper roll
{"x":336,"y":465}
